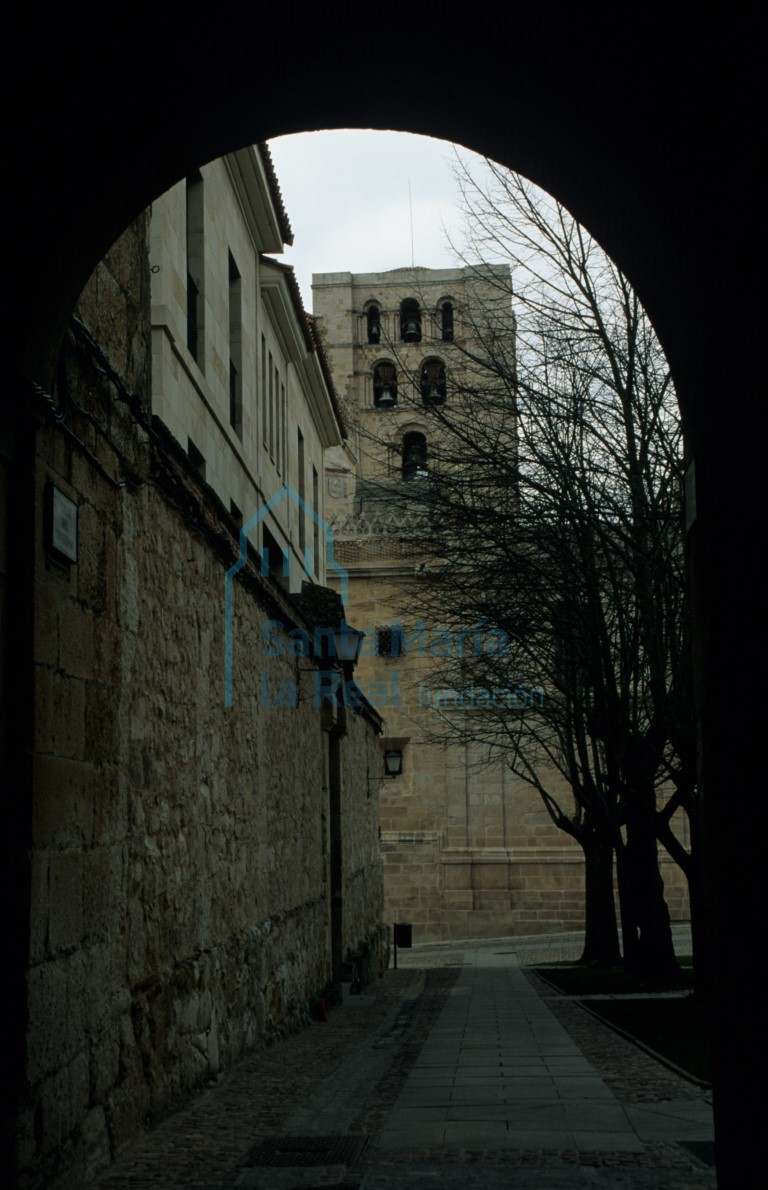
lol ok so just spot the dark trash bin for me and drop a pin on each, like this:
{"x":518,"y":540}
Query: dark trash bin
{"x":404,"y":934}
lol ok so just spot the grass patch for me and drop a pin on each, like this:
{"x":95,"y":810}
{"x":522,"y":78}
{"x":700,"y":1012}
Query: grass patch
{"x":675,"y":1029}
{"x":574,"y":979}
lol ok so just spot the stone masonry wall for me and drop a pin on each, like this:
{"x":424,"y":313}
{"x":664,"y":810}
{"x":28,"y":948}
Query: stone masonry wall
{"x":178,"y":850}
{"x":363,"y":867}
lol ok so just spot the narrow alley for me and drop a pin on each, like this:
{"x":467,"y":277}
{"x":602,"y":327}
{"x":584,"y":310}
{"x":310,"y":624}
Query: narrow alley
{"x":461,"y":1068}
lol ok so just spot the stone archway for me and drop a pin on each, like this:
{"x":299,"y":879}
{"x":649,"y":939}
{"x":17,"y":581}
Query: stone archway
{"x":639,"y":131}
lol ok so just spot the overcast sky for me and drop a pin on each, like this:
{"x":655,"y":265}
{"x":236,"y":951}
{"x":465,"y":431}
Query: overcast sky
{"x":346,"y":194}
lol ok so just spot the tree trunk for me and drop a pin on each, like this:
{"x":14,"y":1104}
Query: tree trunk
{"x":690,"y":863}
{"x":630,"y":935}
{"x":652,"y":954}
{"x":601,"y":937}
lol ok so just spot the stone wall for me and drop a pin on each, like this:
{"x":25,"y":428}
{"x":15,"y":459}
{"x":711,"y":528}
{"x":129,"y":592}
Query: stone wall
{"x":447,"y":895}
{"x":179,"y":851}
{"x":363,"y":865}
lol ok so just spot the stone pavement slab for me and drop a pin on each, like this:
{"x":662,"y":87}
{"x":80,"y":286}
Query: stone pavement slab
{"x":681,"y":1121}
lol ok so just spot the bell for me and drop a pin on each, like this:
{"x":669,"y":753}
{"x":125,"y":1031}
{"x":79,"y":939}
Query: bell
{"x":374,"y":330}
{"x":411,"y":331}
{"x":386,"y":398}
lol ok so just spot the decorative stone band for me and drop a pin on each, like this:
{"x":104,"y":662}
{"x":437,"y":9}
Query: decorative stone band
{"x":385,"y":524}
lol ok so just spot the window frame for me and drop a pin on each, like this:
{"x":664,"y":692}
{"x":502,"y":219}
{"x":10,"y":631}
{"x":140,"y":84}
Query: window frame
{"x":393,"y":636}
{"x":415,"y":466}
{"x":380,"y":385}
{"x":426,"y":382}
{"x":407,"y":306}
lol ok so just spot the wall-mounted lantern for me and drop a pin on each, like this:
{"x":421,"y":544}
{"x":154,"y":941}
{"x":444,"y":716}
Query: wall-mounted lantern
{"x":393,"y":763}
{"x":348,"y":642}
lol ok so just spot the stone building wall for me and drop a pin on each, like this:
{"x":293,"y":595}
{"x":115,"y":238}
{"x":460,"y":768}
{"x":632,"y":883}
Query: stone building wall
{"x":178,"y":851}
{"x":469,"y":849}
{"x":363,"y":862}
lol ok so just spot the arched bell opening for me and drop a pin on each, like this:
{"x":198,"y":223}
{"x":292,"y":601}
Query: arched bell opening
{"x":373,"y":323}
{"x":432,"y":382}
{"x":415,"y":455}
{"x":410,"y":321}
{"x":385,"y":385}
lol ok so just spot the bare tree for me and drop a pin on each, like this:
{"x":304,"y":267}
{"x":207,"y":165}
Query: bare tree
{"x":551,"y":499}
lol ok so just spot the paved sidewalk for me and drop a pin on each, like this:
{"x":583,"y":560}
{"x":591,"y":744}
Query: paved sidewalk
{"x":452,"y":1072}
{"x":499,"y":1071}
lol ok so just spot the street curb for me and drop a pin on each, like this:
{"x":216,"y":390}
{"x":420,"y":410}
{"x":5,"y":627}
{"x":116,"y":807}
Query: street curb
{"x":690,"y":1078}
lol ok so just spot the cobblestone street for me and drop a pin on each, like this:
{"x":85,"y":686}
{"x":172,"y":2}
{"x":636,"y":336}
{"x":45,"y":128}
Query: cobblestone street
{"x":414,"y":1084}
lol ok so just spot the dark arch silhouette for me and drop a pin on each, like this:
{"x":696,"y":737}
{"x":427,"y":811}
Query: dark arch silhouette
{"x":642,"y":131}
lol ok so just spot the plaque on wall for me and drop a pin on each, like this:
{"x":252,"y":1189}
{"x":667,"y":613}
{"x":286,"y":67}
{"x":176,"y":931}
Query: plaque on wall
{"x":61,"y":525}
{"x":337,"y":486}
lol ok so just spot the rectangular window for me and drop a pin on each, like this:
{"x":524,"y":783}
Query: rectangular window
{"x":278,"y":425}
{"x":234,"y":397}
{"x":301,"y":490}
{"x":389,"y":641}
{"x":235,"y":349}
{"x":315,"y":524}
{"x":275,"y":561}
{"x":263,"y":401}
{"x":285,"y":428}
{"x":271,"y":431}
{"x":195,"y":230}
{"x":193,"y":326}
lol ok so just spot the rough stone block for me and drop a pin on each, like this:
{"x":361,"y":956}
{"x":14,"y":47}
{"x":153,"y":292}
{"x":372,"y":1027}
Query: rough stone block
{"x":44,"y":709}
{"x":96,"y":1140}
{"x":103,"y":977}
{"x":103,"y":892}
{"x":91,"y":584}
{"x":76,"y":646}
{"x":65,"y":906}
{"x":69,"y":716}
{"x":125,"y":1110}
{"x":490,"y":876}
{"x":47,"y":626}
{"x":111,"y":581}
{"x":111,"y":820}
{"x":108,"y":651}
{"x":38,"y":907}
{"x":102,"y":725}
{"x":53,"y":1117}
{"x":56,"y":1010}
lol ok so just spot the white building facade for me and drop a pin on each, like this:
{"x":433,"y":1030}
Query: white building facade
{"x":237,"y":373}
